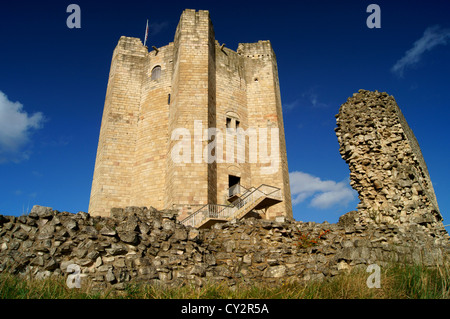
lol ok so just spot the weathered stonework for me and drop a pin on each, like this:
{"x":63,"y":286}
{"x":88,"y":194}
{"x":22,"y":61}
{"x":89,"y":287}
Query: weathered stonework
{"x":140,"y":245}
{"x":151,"y":94}
{"x":386,"y":165}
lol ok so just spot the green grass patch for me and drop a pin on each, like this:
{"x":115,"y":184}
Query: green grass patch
{"x":396,"y":282}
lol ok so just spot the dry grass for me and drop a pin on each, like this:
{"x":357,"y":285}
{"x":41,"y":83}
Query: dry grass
{"x":397,"y":282}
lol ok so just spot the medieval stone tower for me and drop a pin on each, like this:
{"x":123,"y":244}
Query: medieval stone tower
{"x":191,"y":85}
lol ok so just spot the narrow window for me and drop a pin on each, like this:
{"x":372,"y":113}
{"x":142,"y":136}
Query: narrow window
{"x":168,"y":99}
{"x":228,"y":122}
{"x":156,"y":73}
{"x":237,"y":124}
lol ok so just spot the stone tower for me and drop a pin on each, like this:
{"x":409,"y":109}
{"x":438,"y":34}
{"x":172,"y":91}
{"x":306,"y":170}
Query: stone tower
{"x":188,"y":86}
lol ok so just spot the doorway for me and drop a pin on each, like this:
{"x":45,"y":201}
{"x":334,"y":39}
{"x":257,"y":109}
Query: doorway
{"x":233,"y":185}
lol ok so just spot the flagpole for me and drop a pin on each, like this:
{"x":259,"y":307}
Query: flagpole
{"x":146,"y":34}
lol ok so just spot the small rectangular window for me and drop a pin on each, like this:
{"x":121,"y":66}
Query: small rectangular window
{"x":237,"y":124}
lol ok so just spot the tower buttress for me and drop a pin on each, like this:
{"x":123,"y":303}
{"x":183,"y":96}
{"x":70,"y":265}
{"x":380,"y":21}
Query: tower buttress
{"x":113,"y":174}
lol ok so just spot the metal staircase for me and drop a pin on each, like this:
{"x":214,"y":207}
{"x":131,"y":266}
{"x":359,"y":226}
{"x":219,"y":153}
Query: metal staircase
{"x":243,"y":201}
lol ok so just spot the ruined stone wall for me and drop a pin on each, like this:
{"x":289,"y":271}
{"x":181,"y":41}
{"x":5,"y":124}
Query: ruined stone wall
{"x":140,"y":245}
{"x":386,"y":165}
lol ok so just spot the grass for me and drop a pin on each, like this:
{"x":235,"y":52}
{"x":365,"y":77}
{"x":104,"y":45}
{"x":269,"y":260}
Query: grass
{"x":396,"y":282}
{"x":15,"y":287}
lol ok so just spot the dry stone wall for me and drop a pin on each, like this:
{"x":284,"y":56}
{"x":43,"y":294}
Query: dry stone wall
{"x":140,"y":245}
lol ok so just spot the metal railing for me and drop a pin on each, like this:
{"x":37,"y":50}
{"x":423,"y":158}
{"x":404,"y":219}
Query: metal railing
{"x":205,"y":212}
{"x":271,"y":191}
{"x":234,"y":190}
{"x":250,"y":198}
{"x":237,"y":189}
{"x":229,"y":211}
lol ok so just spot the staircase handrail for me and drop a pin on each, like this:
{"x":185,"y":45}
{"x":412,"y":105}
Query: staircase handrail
{"x":228,"y":211}
{"x":232,"y":189}
{"x":206,"y":211}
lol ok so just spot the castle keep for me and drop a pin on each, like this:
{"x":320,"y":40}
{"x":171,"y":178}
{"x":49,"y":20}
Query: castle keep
{"x":190,"y":85}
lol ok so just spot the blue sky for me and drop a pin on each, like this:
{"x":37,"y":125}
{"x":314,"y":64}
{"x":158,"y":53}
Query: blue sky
{"x":53,"y":83}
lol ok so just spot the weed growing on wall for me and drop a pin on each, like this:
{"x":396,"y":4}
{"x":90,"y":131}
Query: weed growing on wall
{"x":307,"y":240}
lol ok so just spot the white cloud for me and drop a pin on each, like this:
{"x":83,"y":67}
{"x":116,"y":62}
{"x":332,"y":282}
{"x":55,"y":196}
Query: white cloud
{"x":15,"y":128}
{"x":307,"y":99}
{"x":313,"y":98}
{"x":292,"y":105}
{"x":325,"y":194}
{"x":432,"y":37}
